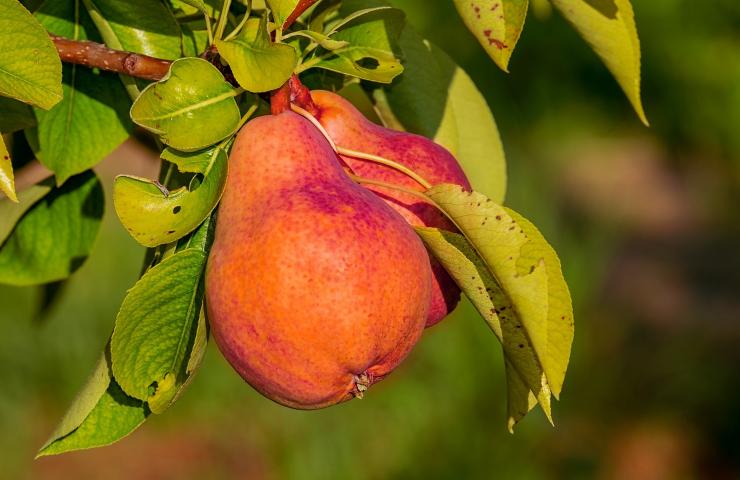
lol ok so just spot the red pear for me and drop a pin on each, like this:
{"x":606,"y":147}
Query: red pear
{"x":315,"y":287}
{"x":350,"y":129}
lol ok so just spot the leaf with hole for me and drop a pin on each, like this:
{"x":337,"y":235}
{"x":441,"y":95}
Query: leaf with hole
{"x":30,"y":69}
{"x":496,"y":24}
{"x":55,"y":236}
{"x":372,"y":47}
{"x":258,"y":64}
{"x":608,"y":26}
{"x":192,"y":108}
{"x":154,"y":216}
{"x":157,"y":327}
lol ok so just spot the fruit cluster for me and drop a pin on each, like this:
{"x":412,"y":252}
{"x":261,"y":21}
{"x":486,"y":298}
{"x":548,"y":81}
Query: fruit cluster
{"x":317,"y":286}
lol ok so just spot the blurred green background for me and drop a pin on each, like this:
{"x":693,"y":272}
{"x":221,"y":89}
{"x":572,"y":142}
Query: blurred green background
{"x":645,"y":221}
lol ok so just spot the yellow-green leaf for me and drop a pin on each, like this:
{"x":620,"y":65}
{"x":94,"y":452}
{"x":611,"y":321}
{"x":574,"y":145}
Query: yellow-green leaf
{"x":154,"y":216}
{"x":30,"y":69}
{"x":281,"y":9}
{"x":608,"y":26}
{"x":7,"y":182}
{"x":496,"y":307}
{"x":496,"y":24}
{"x":258,"y":64}
{"x":560,"y":325}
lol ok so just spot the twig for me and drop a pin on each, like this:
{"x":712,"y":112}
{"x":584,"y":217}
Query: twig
{"x":96,"y":55}
{"x":302,"y":6}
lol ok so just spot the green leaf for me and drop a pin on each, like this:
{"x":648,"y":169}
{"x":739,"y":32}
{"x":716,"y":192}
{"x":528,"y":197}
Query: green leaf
{"x":192,"y":108}
{"x":281,"y":9}
{"x":15,"y":116}
{"x":477,"y":280}
{"x":496,"y":24}
{"x":7,"y":182}
{"x":30,"y":69}
{"x":258,"y":64}
{"x":11,"y":212}
{"x":55,"y":236}
{"x":437,"y":99}
{"x":371,"y":51}
{"x":142,"y":26}
{"x":198,"y":4}
{"x":608,"y":26}
{"x":100,"y":415}
{"x":194,"y":38}
{"x":154,"y":217}
{"x":156,"y":328}
{"x":513,"y":277}
{"x":92,"y":119}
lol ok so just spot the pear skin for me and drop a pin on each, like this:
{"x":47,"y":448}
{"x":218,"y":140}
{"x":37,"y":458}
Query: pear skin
{"x":350,"y":129}
{"x":315,"y":288}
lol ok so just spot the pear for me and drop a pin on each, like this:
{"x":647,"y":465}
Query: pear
{"x":350,"y":129}
{"x":315,"y":288}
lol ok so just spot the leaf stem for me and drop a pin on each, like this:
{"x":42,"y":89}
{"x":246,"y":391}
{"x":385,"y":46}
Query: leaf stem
{"x":243,"y":22}
{"x":222,"y":18}
{"x":361,"y":155}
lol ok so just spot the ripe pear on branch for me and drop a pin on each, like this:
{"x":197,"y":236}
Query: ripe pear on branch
{"x":315,"y":287}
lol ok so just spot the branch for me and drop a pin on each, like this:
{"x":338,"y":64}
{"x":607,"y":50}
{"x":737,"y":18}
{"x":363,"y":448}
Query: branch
{"x":302,"y":6}
{"x":96,"y":55}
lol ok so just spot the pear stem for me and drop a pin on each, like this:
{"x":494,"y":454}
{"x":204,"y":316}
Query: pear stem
{"x":361,"y":155}
{"x":387,"y":162}
{"x":391,"y":186}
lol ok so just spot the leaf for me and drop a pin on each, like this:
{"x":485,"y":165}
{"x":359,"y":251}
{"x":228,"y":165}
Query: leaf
{"x":30,"y":69}
{"x":156,"y":328}
{"x":155,"y":218}
{"x":7,"y":182}
{"x":281,"y":9}
{"x":55,"y":236}
{"x":496,"y":24}
{"x":371,"y":51}
{"x":100,"y":415}
{"x":608,"y":26}
{"x":437,"y":99}
{"x":477,"y":280}
{"x":194,"y":38}
{"x":11,"y":212}
{"x":560,"y":324}
{"x":92,"y":119}
{"x":192,"y":108}
{"x":513,"y":277}
{"x":15,"y":116}
{"x":258,"y":64}
{"x":519,"y":398}
{"x":142,"y":26}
